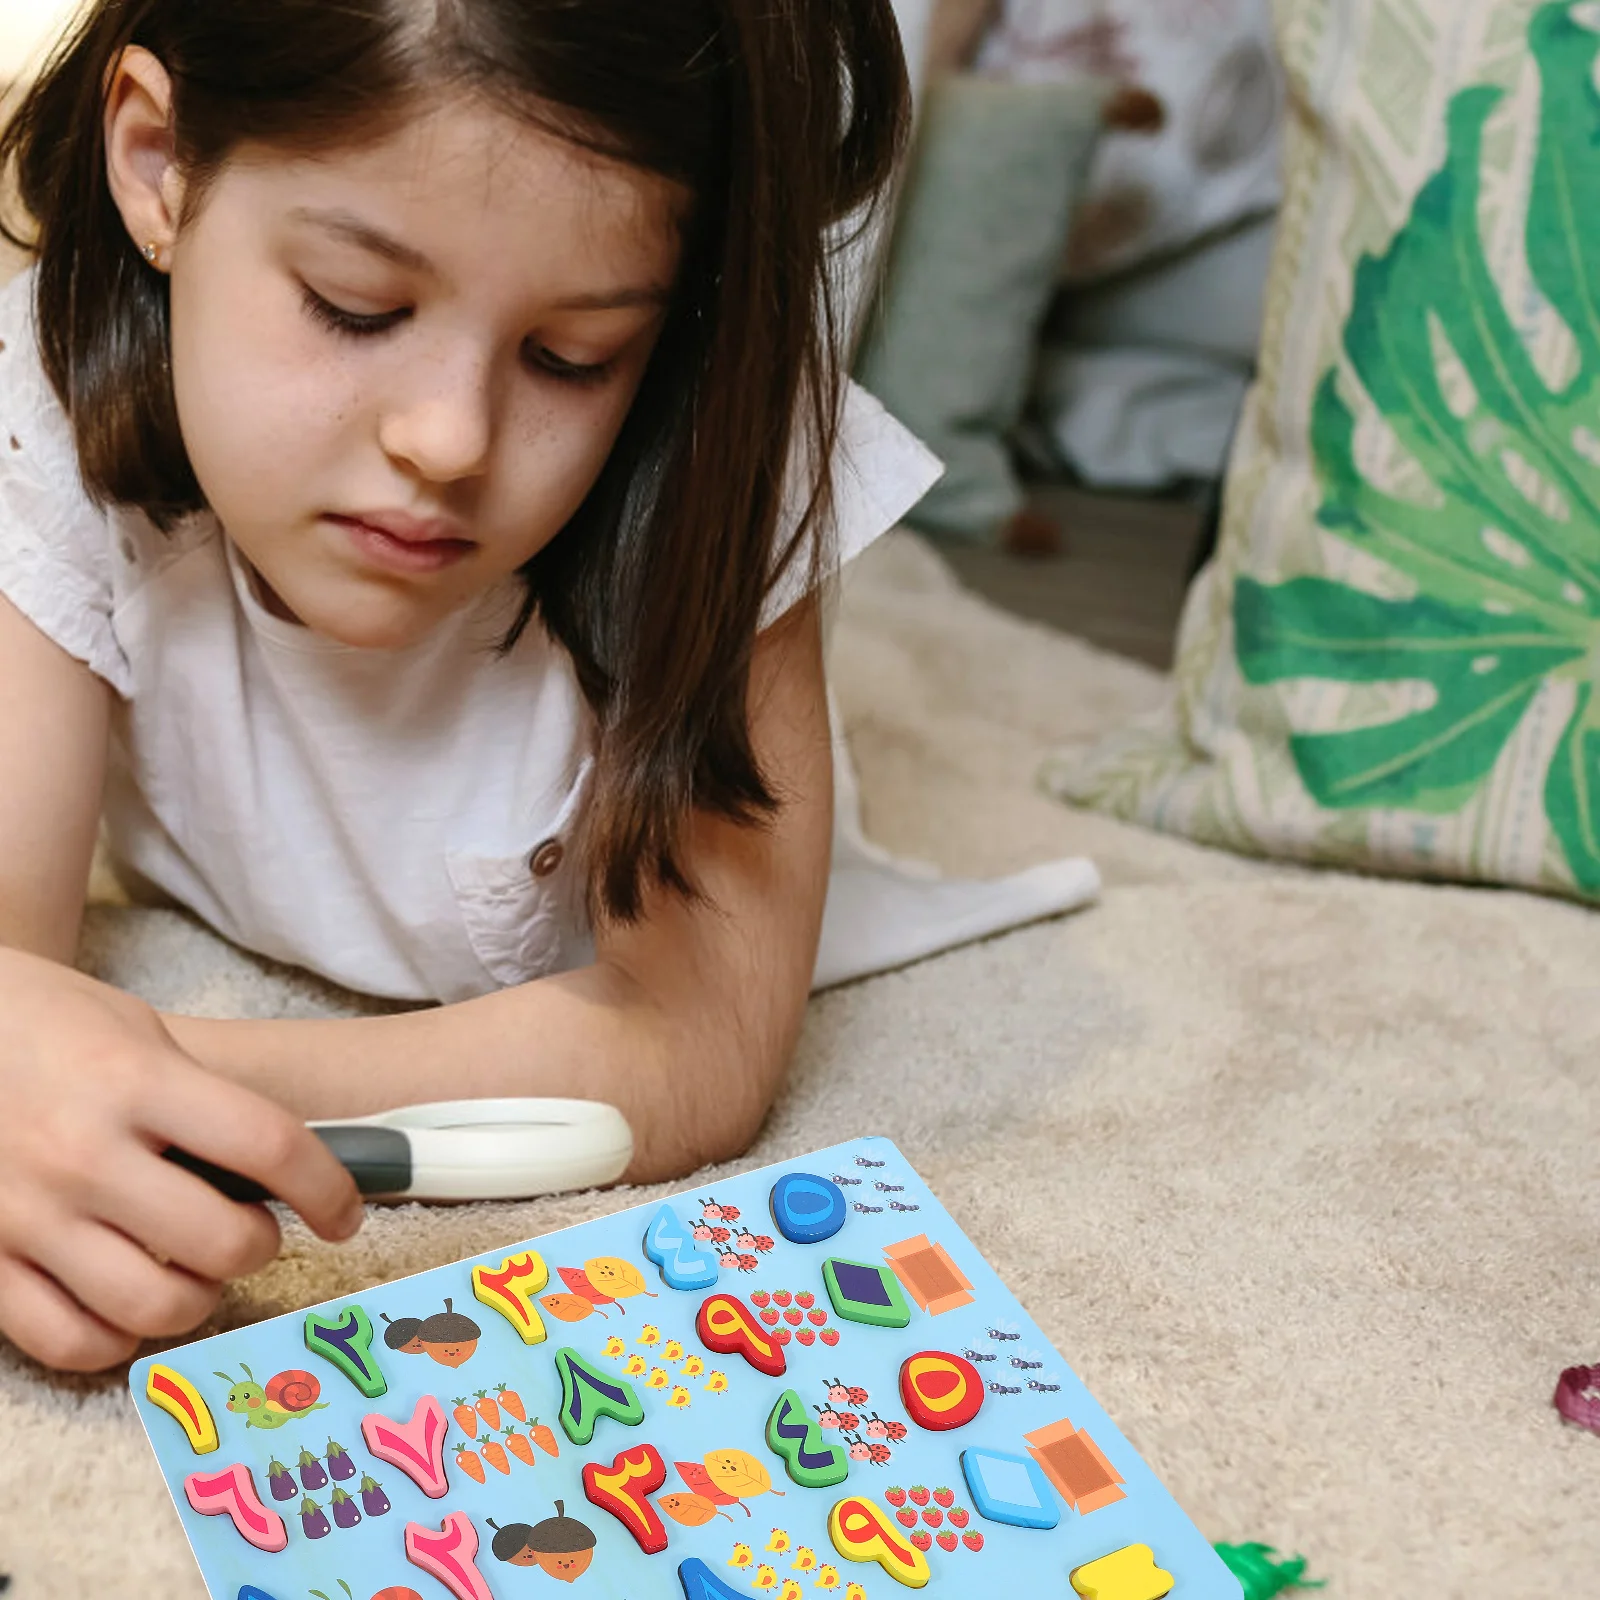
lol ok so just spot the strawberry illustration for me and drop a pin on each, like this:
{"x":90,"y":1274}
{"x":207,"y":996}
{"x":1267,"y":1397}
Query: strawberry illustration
{"x":807,"y":1336}
{"x":895,"y":1496}
{"x":805,"y":1301}
{"x":760,"y":1298}
{"x":945,"y":1497}
{"x":906,"y":1518}
{"x":819,"y":1317}
{"x":829,"y":1336}
{"x":919,"y":1494}
{"x":782,"y":1297}
{"x":794,"y":1316}
{"x":922,"y":1539}
{"x":782,"y":1335}
{"x":947,"y":1540}
{"x":958,"y":1517}
{"x":770,"y":1316}
{"x":933,"y":1518}
{"x":973,"y":1540}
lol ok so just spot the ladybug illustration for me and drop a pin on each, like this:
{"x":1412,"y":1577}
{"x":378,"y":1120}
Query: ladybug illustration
{"x":285,"y":1398}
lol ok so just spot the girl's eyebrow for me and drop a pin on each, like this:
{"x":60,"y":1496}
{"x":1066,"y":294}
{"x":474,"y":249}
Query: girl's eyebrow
{"x":348,"y":226}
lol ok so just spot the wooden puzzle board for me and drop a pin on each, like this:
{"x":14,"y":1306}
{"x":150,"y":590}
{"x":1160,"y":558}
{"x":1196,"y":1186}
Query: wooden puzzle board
{"x":442,"y":1453}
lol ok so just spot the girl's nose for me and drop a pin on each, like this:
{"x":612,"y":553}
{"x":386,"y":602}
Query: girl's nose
{"x":444,"y":428}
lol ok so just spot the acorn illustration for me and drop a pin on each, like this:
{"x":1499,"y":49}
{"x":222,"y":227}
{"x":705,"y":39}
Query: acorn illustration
{"x":561,"y":1546}
{"x":401,"y":1336}
{"x":449,"y":1337}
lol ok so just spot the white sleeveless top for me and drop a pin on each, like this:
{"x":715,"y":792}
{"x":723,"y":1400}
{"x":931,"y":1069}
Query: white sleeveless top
{"x":397,"y":821}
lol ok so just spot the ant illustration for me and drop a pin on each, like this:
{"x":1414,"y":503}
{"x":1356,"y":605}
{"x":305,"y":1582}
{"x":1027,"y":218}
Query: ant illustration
{"x":889,"y":1188}
{"x":839,"y":1177}
{"x":996,"y":1387}
{"x":980,"y":1355}
{"x":1004,"y":1331}
{"x":861,"y":1161}
{"x":1022,"y":1364}
{"x":1043,"y":1388}
{"x":859,"y":1207}
{"x":894,"y":1205}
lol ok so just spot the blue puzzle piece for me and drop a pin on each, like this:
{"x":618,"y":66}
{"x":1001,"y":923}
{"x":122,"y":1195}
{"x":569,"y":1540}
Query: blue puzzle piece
{"x":807,"y":1209}
{"x":701,"y":1583}
{"x":684,"y":1264}
{"x":250,"y":1592}
{"x":1011,"y":1489}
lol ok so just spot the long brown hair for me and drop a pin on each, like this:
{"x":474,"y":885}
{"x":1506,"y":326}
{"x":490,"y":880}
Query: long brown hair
{"x":783,"y":118}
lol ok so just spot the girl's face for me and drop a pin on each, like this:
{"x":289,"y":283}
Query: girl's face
{"x":400,"y":368}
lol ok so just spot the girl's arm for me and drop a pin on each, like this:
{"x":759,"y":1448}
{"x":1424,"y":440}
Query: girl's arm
{"x":685,"y":1021}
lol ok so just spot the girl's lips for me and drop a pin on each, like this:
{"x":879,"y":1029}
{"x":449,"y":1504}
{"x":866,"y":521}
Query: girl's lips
{"x":406,"y":549}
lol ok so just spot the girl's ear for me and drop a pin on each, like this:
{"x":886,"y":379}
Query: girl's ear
{"x":141,"y":155}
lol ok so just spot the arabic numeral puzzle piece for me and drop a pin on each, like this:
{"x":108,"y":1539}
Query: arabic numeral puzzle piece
{"x":174,"y":1394}
{"x":807,"y":1209}
{"x":701,"y":1583}
{"x":684,"y":1264}
{"x":450,"y":1555}
{"x":510,"y":1288}
{"x":726,"y":1325}
{"x":588,"y":1395}
{"x":794,"y":1435}
{"x":621,"y":1489}
{"x":415,"y":1447}
{"x":347,"y":1344}
{"x":1010,"y":1489}
{"x":940,"y":1391}
{"x":233,"y":1494}
{"x":863,"y":1531}
{"x":1128,"y":1574}
{"x":861,"y":1293}
{"x":250,"y":1592}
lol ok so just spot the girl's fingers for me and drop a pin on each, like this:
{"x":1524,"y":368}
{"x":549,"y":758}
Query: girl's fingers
{"x":180,"y":1219}
{"x":121,"y":1284}
{"x":246,"y":1133}
{"x":43,"y":1321}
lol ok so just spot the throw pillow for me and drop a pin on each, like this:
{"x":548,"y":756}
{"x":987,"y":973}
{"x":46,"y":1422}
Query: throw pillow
{"x":1392,"y":662}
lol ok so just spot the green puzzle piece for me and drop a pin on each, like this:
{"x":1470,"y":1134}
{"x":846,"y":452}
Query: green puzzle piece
{"x":347,"y":1344}
{"x":587,"y":1394}
{"x":813,"y":1463}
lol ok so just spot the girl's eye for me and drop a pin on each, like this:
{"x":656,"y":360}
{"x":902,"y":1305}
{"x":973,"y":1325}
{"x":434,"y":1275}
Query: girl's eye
{"x":355,"y":324}
{"x":569,"y":371}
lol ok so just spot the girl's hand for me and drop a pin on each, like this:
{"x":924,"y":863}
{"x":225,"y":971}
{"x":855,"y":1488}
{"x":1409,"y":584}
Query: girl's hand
{"x":103,"y":1243}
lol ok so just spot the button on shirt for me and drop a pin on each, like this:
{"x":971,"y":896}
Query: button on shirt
{"x":397,"y":821}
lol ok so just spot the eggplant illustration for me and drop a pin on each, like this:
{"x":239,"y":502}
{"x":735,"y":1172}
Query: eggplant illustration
{"x":340,"y":1466}
{"x":346,"y":1513}
{"x":312,"y":1474}
{"x":314,"y":1519}
{"x":281,"y":1480}
{"x":373,"y":1500}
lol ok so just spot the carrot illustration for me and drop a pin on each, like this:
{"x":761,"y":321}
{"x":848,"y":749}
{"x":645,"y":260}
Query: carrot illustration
{"x":519,"y":1445}
{"x":495,"y":1454}
{"x":469,"y":1463}
{"x":466,"y":1418}
{"x":510,"y":1401}
{"x":489,"y":1411}
{"x":544,"y":1438}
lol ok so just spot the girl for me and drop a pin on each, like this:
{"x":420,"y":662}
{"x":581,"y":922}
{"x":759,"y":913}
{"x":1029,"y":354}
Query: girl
{"x":420,"y":441}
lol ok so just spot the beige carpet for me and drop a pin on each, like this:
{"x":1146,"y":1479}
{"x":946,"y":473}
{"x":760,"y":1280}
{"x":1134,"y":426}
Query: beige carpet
{"x":1296,"y":1170}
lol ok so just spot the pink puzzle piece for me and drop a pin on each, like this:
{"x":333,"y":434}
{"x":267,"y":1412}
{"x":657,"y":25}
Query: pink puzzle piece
{"x":233,"y":1494}
{"x":450,"y":1555}
{"x":415,"y":1447}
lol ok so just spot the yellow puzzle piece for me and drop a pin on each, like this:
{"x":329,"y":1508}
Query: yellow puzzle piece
{"x":181,"y":1401}
{"x":510,"y":1288}
{"x":862,"y":1530}
{"x":1127,"y":1574}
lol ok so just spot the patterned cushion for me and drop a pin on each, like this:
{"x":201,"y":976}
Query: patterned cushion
{"x":1392,"y":662}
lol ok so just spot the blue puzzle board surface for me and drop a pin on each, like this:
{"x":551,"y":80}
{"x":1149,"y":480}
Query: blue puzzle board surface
{"x":733,"y":1520}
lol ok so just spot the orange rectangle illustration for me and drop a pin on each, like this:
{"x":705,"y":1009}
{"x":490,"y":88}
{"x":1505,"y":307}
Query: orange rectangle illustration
{"x":930,"y":1277}
{"x":1077,"y":1466}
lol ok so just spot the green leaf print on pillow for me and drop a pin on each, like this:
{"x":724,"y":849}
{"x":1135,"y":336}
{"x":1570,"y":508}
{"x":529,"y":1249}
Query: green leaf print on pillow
{"x":1504,"y":553}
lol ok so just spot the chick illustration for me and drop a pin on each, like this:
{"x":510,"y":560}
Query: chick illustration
{"x":717,"y":1383}
{"x":827,"y":1577}
{"x":741,"y":1557}
{"x":672,"y":1351}
{"x":649,"y":1334}
{"x":805,"y":1558}
{"x":635,"y":1365}
{"x":613,"y":1348}
{"x":658,"y":1378}
{"x":679,"y":1397}
{"x":791,"y":1590}
{"x":693,"y":1367}
{"x":765,"y":1577}
{"x":855,"y":1592}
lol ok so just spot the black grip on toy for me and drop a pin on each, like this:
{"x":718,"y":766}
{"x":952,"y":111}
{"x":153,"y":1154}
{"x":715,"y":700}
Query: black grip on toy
{"x":379,"y":1159}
